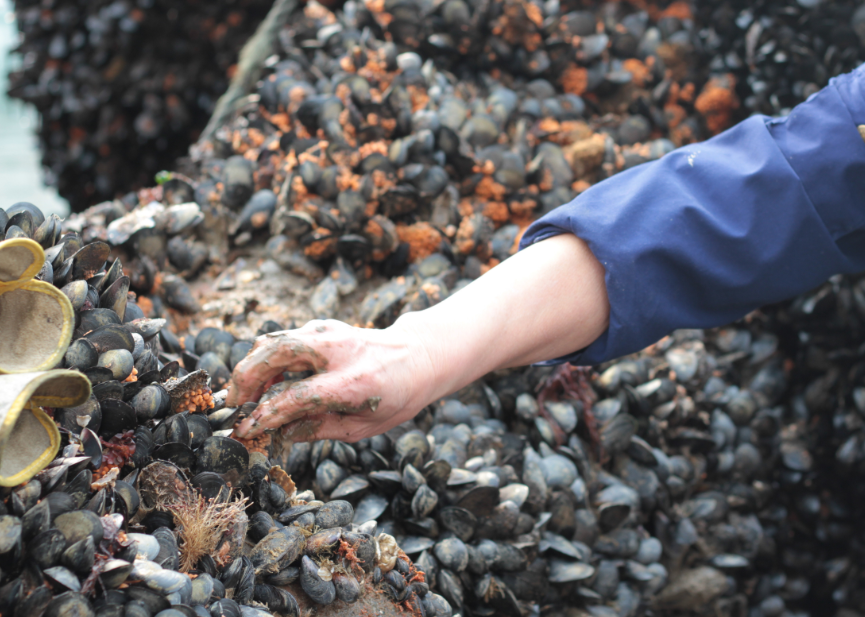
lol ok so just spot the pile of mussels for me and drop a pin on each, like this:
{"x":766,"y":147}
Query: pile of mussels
{"x":123,"y":87}
{"x":717,"y":472}
{"x":150,"y":507}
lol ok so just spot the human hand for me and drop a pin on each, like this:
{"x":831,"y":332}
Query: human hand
{"x":366,"y":381}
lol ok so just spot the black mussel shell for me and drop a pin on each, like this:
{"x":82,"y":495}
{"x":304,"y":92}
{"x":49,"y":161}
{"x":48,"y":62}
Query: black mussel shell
{"x":36,"y":602}
{"x":129,"y":495}
{"x":225,"y":608}
{"x":199,"y":429}
{"x":174,"y":429}
{"x":215,"y":367}
{"x":36,"y":520}
{"x":170,"y":370}
{"x":53,"y":255}
{"x":238,"y":352}
{"x":143,"y":447}
{"x":13,"y":231}
{"x":46,"y":548}
{"x":109,"y":337}
{"x":34,"y":212}
{"x":117,"y":417}
{"x":69,"y":604}
{"x":73,"y":419}
{"x":133,"y":312}
{"x":147,"y":328}
{"x":45,"y":233}
{"x":224,"y":418}
{"x":22,"y":221}
{"x":60,"y":503}
{"x":212,"y":486}
{"x":336,"y":513}
{"x":115,"y":296}
{"x":72,"y":243}
{"x":222,"y":455}
{"x":76,"y":291}
{"x":152,"y":600}
{"x":98,"y":375}
{"x":278,"y":600}
{"x":89,"y":260}
{"x":178,"y":453}
{"x":147,"y":364}
{"x":168,"y":556}
{"x":63,"y":273}
{"x":190,"y":360}
{"x":111,"y":275}
{"x":215,"y":340}
{"x":46,"y":273}
{"x":96,"y":318}
{"x":260,"y":524}
{"x":156,"y":520}
{"x":81,"y":355}
{"x":170,"y":343}
{"x":91,"y":447}
{"x":152,"y":401}
{"x":79,"y":556}
{"x":178,"y":295}
{"x":270,"y":326}
{"x":320,"y":591}
{"x":108,"y":390}
{"x":79,"y":486}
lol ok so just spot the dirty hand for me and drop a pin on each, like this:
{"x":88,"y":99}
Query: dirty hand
{"x":366,"y":381}
{"x":546,"y":301}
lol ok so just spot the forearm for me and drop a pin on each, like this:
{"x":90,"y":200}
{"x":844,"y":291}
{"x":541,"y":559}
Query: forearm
{"x":544,"y":302}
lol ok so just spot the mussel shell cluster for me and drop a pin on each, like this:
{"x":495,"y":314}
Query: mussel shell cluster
{"x":718,"y":472}
{"x":122,"y":88}
{"x":780,"y":52}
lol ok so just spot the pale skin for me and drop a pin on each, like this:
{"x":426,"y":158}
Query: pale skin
{"x":544,"y":302}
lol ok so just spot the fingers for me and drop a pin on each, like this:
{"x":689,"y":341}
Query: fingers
{"x":300,"y":399}
{"x":344,"y":427}
{"x":272,"y":355}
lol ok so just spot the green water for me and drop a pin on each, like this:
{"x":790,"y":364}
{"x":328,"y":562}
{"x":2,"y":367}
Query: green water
{"x":20,"y":171}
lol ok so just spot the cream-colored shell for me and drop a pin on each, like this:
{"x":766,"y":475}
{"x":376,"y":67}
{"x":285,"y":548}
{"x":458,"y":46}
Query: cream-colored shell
{"x":36,"y":318}
{"x":29,"y":439}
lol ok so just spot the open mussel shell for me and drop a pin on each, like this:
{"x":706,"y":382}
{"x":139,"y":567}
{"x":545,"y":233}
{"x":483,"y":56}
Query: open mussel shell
{"x":36,"y":216}
{"x":89,"y":260}
{"x":129,"y":495}
{"x":115,"y":296}
{"x":73,"y":419}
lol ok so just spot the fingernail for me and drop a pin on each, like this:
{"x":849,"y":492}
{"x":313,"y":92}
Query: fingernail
{"x":242,"y":430}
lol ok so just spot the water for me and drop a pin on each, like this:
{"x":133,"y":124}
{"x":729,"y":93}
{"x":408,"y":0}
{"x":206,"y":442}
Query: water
{"x":20,"y":170}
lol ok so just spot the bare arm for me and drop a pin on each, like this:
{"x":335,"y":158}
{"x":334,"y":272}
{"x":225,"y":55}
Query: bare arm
{"x":544,"y":302}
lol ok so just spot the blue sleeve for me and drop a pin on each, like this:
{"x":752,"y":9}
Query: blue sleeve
{"x":760,"y":213}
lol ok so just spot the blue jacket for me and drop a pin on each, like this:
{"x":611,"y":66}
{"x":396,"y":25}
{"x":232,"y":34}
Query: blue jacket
{"x":760,"y":213}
